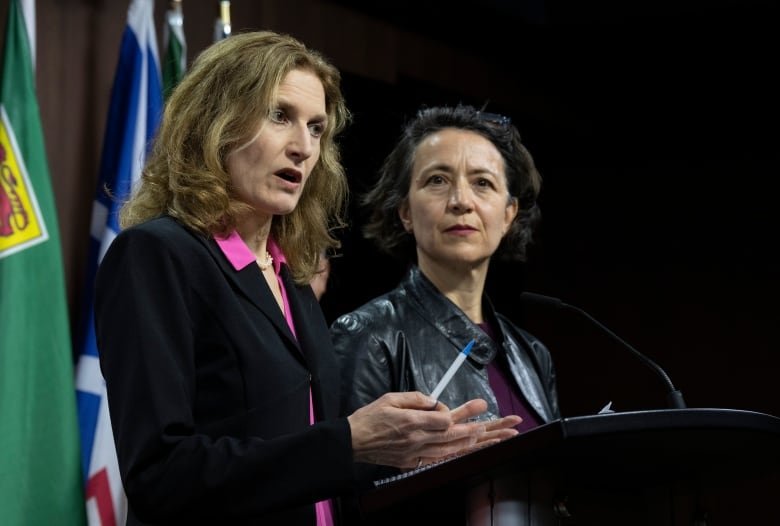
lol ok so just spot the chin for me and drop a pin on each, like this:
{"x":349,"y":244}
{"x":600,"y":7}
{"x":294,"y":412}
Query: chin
{"x":284,"y":208}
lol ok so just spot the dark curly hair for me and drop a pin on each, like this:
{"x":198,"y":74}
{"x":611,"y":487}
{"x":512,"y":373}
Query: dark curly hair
{"x":383,"y":200}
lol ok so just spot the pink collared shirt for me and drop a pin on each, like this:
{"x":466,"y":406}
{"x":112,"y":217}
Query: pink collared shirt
{"x":240,"y":256}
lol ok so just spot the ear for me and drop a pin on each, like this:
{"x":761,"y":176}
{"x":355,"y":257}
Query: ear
{"x":512,"y":208}
{"x":405,"y":216}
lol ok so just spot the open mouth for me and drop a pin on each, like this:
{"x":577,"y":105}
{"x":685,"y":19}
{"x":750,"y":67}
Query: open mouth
{"x":289,"y":175}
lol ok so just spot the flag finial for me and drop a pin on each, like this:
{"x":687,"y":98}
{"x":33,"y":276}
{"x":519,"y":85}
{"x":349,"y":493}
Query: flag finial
{"x":222,"y":26}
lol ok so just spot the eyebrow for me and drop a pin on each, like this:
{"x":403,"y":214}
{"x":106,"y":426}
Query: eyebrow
{"x":287,"y":106}
{"x":444,"y":167}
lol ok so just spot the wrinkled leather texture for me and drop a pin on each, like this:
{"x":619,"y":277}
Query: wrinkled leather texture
{"x":406,"y":340}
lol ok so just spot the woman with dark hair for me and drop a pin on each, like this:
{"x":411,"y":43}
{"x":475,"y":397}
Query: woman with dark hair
{"x":458,"y":189}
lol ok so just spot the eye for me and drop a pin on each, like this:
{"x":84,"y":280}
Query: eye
{"x":436,"y":180}
{"x":278,"y":116}
{"x":484,"y":183}
{"x":317,"y":129}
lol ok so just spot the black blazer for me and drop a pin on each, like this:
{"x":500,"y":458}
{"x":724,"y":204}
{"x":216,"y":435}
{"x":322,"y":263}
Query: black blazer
{"x":208,"y":389}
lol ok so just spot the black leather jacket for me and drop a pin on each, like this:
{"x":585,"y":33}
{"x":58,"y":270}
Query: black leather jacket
{"x":406,"y":340}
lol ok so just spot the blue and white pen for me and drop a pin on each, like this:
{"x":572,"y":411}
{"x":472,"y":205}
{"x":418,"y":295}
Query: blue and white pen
{"x":462,"y":355}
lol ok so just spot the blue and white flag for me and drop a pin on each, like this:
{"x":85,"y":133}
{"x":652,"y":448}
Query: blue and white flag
{"x":133,"y":116}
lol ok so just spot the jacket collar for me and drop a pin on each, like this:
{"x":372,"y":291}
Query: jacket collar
{"x":449,"y":319}
{"x":250,"y":283}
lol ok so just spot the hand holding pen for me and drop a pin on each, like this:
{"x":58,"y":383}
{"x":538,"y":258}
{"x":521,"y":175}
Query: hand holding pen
{"x":496,"y":430}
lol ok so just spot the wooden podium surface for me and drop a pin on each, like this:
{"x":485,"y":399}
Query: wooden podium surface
{"x":691,"y":452}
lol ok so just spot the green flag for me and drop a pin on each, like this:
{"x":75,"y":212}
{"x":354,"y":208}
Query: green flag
{"x":40,"y":470}
{"x":174,"y":62}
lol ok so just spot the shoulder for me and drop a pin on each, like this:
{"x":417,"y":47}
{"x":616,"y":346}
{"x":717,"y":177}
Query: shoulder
{"x":156,"y":244}
{"x":369,"y":316}
{"x":163,"y":233}
{"x":163,"y":228}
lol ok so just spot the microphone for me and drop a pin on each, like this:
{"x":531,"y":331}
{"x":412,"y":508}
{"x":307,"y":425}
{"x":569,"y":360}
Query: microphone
{"x":673,"y":397}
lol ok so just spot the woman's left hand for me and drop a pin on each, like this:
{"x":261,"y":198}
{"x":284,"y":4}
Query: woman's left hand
{"x":496,"y":430}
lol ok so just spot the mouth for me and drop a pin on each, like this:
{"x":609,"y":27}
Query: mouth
{"x":290,"y":175}
{"x":460,"y":228}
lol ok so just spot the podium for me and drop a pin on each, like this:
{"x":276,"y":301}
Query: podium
{"x":658,"y":467}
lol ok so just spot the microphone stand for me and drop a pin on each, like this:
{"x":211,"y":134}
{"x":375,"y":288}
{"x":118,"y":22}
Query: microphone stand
{"x":673,"y":397}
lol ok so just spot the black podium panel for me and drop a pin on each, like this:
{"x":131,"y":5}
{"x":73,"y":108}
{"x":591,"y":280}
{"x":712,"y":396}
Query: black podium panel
{"x":605,"y":461}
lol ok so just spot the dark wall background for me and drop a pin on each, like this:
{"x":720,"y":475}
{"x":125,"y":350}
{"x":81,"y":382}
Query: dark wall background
{"x":654,"y":126}
{"x":659,"y":156}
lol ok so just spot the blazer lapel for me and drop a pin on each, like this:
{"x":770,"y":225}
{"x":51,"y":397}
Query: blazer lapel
{"x":252,"y":285}
{"x":315,"y":344}
{"x":304,"y":307}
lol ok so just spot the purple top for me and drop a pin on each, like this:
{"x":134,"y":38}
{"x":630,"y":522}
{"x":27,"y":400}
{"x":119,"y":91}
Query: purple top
{"x":510,"y":400}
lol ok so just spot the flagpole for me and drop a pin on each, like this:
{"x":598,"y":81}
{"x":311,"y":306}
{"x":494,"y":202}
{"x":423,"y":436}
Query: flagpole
{"x":134,"y":111}
{"x":174,"y":60}
{"x":222,"y":28}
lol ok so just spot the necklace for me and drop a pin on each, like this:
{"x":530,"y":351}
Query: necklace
{"x":267,"y":263}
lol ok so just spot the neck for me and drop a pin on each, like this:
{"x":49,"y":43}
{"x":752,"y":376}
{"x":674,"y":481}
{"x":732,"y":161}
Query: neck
{"x":461,"y":284}
{"x":256,"y":238}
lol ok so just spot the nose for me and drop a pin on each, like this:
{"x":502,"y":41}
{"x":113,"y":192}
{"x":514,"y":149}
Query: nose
{"x":461,"y":198}
{"x":301,"y":144}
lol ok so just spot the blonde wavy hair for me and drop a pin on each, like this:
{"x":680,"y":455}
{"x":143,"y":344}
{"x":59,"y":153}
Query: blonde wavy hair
{"x":217,"y":106}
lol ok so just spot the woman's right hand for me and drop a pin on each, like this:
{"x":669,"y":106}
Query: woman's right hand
{"x":400,"y":429}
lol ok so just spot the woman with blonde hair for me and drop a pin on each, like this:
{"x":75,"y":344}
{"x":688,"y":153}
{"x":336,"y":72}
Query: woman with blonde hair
{"x":222,"y":382}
